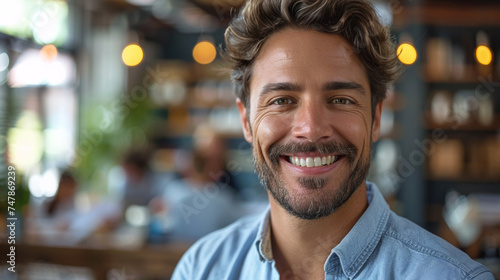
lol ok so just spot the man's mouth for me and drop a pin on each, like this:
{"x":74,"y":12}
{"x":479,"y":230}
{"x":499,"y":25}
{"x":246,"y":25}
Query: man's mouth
{"x":313,"y":161}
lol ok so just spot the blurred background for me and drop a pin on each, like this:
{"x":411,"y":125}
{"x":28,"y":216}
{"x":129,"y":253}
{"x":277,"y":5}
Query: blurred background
{"x":118,"y":122}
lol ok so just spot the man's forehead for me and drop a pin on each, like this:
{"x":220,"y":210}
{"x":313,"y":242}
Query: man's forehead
{"x":285,"y":44}
{"x":291,"y":54}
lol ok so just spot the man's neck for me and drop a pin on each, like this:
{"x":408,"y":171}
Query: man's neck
{"x":301,"y":247}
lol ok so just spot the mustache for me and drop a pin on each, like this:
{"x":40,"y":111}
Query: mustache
{"x":331,"y":147}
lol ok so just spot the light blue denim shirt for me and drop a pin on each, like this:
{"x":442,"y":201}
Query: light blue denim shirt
{"x":381,"y":245}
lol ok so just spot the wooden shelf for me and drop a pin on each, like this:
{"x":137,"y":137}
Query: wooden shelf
{"x":467,"y":179}
{"x":447,"y":15}
{"x":472,"y":126}
{"x":472,"y":74}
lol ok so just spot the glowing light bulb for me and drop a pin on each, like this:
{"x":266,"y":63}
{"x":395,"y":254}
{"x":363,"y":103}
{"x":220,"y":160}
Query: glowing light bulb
{"x":48,"y":52}
{"x":204,"y":52}
{"x":407,"y":53}
{"x":132,"y":55}
{"x":483,"y":55}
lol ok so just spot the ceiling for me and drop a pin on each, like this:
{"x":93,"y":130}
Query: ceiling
{"x":184,"y":15}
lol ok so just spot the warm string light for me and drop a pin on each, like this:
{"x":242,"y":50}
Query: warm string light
{"x":132,"y":55}
{"x":483,"y":55}
{"x":204,"y":52}
{"x":407,"y":53}
{"x":48,"y":52}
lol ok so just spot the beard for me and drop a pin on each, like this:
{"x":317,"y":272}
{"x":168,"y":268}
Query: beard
{"x":320,"y":203}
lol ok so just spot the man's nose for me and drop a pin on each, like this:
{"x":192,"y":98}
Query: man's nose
{"x":312,"y":122}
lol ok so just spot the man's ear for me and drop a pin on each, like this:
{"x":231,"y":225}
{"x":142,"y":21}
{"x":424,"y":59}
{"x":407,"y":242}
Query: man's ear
{"x":376,"y":121}
{"x":247,"y":132}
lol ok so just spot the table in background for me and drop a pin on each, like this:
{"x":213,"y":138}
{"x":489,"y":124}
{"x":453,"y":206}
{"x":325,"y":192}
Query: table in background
{"x":151,"y":262}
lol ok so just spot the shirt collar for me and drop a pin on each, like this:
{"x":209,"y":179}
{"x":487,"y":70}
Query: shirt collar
{"x":357,"y":245}
{"x":263,"y":239}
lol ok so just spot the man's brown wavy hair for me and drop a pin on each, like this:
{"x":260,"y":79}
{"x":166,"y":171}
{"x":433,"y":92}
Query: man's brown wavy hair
{"x":355,"y":20}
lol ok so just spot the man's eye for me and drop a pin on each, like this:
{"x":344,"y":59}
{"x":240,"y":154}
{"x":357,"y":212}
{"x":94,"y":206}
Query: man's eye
{"x":282,"y":101}
{"x":341,"y":101}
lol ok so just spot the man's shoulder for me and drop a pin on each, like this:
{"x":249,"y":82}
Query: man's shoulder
{"x":435,"y":254}
{"x":241,"y":231}
{"x":218,"y":248}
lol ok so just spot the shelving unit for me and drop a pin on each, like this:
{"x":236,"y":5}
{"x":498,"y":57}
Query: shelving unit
{"x":451,"y":93}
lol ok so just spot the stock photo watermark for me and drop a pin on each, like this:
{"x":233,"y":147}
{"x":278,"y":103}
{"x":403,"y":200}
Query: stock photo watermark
{"x":119,"y":110}
{"x":202,"y":199}
{"x":11,"y":218}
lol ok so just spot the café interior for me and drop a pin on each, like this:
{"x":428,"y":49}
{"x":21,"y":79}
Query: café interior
{"x":121,"y":141}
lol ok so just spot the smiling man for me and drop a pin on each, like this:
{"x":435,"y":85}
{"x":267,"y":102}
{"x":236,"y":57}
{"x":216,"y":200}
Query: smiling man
{"x":310,"y":78}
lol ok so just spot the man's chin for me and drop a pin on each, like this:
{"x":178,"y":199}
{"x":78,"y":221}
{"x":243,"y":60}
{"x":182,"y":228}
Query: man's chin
{"x":312,"y":198}
{"x":308,"y":204}
{"x":308,"y":211}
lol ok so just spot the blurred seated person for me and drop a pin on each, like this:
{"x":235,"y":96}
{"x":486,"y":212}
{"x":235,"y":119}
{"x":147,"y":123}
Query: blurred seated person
{"x":49,"y":222}
{"x":203,"y":201}
{"x":60,"y":221}
{"x":210,"y":150}
{"x":62,"y":207}
{"x":141,"y":184}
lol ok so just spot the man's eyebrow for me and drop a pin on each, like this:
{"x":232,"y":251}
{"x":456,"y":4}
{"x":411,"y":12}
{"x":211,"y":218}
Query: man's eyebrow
{"x":344,"y":85}
{"x":279,"y":87}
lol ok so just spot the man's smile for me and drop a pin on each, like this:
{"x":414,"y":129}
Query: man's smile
{"x":311,"y":164}
{"x":312,"y":161}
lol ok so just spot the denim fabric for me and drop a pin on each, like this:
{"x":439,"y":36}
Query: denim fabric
{"x":381,"y":245}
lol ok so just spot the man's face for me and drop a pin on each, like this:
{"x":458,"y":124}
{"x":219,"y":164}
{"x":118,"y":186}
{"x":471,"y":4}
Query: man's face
{"x":310,"y":121}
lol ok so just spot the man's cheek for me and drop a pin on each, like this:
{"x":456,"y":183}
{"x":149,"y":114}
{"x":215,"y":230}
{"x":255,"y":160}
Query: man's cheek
{"x":273,"y":125}
{"x":258,"y":151}
{"x":269,"y":127}
{"x":354,"y":130}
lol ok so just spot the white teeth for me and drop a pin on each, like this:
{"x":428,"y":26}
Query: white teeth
{"x":313,"y":162}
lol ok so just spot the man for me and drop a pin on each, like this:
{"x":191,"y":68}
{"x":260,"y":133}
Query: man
{"x":310,"y":77}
